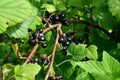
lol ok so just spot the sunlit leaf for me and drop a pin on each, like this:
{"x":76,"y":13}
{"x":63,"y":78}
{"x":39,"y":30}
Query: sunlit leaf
{"x":26,"y":72}
{"x":12,"y":12}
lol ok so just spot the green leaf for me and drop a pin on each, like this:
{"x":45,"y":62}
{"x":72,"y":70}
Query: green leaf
{"x":59,"y":5}
{"x":76,"y":3}
{"x":48,"y":35}
{"x":49,"y":7}
{"x":21,"y":30}
{"x":26,"y":72}
{"x":8,"y":71}
{"x":83,"y":76}
{"x":115,"y":53}
{"x":15,"y":48}
{"x":77,"y":51}
{"x":67,"y":70}
{"x":3,"y":25}
{"x":12,"y":12}
{"x":108,"y":69}
{"x":92,"y":52}
{"x":36,"y":21}
{"x":112,"y":65}
{"x":114,"y":7}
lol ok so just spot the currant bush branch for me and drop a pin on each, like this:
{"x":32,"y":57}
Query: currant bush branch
{"x":53,"y":54}
{"x":31,"y":54}
{"x":93,"y":25}
{"x":36,"y":45}
{"x":91,"y":19}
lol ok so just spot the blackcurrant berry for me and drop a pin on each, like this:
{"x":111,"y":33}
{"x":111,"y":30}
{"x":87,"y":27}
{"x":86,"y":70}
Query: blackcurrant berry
{"x":32,"y":41}
{"x":56,"y":17}
{"x":62,"y":15}
{"x":61,"y":39}
{"x":64,"y":48}
{"x":66,"y":43}
{"x":80,"y":40}
{"x":34,"y":35}
{"x":60,"y":77}
{"x":40,"y":30}
{"x":44,"y":45}
{"x":41,"y":38}
{"x":65,"y":22}
{"x":52,"y":78}
{"x":68,"y":37}
{"x":36,"y":60}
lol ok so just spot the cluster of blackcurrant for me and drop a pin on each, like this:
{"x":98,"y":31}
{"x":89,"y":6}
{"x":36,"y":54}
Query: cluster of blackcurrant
{"x":59,"y":77}
{"x":38,"y":37}
{"x":65,"y":40}
{"x":43,"y":59}
{"x":55,"y":18}
{"x":78,"y":40}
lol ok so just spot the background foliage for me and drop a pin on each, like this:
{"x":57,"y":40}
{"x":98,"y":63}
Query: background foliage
{"x":101,"y":46}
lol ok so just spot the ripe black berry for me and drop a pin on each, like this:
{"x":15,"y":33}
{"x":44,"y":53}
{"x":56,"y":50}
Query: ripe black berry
{"x":62,"y":15}
{"x":66,"y":43}
{"x":52,"y":78}
{"x":68,"y":37}
{"x":65,"y":22}
{"x":34,"y":35}
{"x":40,"y":30}
{"x":32,"y":41}
{"x":44,"y":45}
{"x":80,"y":40}
{"x":60,"y":77}
{"x":64,"y":48}
{"x":61,"y":39}
{"x":56,"y":17}
{"x":41,"y":38}
{"x":36,"y":60}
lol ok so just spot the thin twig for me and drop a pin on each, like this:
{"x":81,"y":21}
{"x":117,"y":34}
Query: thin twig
{"x":63,"y":62}
{"x":31,"y":54}
{"x":93,"y":25}
{"x":51,"y":27}
{"x":36,"y":46}
{"x":53,"y":56}
{"x":91,"y":19}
